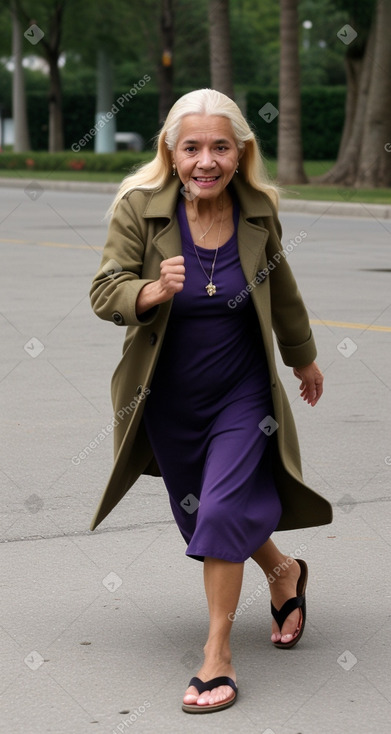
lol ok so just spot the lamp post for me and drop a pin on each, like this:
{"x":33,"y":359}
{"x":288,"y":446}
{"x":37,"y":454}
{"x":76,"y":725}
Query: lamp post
{"x":1,"y":127}
{"x":307,"y":25}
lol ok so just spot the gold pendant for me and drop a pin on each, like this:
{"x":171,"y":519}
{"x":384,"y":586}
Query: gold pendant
{"x":210,"y":289}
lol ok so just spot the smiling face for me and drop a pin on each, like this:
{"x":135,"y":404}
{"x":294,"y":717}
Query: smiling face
{"x":206,"y":154}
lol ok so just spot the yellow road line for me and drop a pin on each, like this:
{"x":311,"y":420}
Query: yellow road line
{"x":349,"y":325}
{"x":314,"y":322}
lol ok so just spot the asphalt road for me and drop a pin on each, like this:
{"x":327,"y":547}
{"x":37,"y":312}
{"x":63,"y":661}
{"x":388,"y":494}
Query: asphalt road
{"x":100,"y":632}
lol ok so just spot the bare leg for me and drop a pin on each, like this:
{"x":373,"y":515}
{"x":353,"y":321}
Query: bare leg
{"x":283,"y":574}
{"x":223,"y":582}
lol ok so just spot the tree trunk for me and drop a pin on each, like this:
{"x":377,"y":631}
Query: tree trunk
{"x":166,"y":92}
{"x":220,"y":47}
{"x":56,"y":134}
{"x":290,"y":151}
{"x":353,"y":69}
{"x":52,"y":48}
{"x":19,"y":107}
{"x":104,"y":141}
{"x":374,"y":167}
{"x":345,"y":170}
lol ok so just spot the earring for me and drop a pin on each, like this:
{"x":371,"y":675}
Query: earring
{"x":237,"y":167}
{"x":173,"y":169}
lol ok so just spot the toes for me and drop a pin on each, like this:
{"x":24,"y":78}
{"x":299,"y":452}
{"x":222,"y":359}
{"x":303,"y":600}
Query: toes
{"x":203,"y":699}
{"x":291,"y":627}
{"x":220,"y":694}
{"x":208,"y":698}
{"x":191,"y":695}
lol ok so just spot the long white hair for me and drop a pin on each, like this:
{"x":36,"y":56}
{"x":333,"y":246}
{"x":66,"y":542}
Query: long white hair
{"x":155,"y":174}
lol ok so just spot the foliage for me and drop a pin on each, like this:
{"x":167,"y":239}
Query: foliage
{"x":68,"y":161}
{"x":131,"y":37}
{"x":322,"y":120}
{"x":140,"y":115}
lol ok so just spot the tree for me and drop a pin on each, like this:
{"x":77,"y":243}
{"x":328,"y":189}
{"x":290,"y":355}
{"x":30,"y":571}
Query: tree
{"x":19,"y":107}
{"x":220,"y":47}
{"x":48,"y":18}
{"x":290,"y":154}
{"x":374,"y":166}
{"x":52,"y":47}
{"x":363,"y":158}
{"x":165,"y":67}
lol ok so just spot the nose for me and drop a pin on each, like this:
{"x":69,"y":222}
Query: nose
{"x":206,"y":160}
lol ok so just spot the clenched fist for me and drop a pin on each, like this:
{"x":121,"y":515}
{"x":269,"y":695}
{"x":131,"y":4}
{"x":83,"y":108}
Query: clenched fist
{"x":172,"y":278}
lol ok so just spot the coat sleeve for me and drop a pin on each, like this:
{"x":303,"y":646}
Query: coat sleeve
{"x":118,"y":282}
{"x":289,"y":315}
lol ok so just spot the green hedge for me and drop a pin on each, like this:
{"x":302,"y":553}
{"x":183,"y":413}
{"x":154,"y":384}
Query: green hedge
{"x":322,"y":119}
{"x":323,"y":113}
{"x":139,"y":115}
{"x":42,"y":161}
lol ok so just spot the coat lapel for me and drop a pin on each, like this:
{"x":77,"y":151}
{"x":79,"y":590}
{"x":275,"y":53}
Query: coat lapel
{"x":162,"y":205}
{"x":252,"y":236}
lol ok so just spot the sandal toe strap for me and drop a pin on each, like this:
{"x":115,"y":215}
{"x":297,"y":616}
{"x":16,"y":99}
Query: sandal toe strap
{"x":222,"y":680}
{"x":280,"y":615}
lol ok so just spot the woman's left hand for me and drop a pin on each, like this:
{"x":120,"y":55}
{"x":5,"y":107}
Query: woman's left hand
{"x":311,"y":386}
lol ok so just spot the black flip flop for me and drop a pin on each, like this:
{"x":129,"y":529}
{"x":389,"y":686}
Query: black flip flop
{"x":222,"y":680}
{"x":296,"y":602}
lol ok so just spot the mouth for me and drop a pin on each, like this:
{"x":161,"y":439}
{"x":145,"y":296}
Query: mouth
{"x":205,"y":182}
{"x":205,"y":179}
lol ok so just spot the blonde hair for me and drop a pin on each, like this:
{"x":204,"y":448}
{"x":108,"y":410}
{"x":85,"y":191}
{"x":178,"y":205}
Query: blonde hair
{"x":155,"y":174}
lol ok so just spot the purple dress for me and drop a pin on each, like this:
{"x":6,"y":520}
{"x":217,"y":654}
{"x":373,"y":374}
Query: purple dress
{"x":209,"y":392}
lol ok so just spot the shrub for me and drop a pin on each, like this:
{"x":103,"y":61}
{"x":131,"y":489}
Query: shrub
{"x":121,"y":162}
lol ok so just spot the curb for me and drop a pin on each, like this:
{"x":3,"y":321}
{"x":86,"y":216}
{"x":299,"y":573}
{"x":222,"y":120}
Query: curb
{"x":302,"y":206}
{"x":336,"y":208}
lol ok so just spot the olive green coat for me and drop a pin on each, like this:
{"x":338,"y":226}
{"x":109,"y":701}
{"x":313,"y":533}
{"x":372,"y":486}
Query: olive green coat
{"x":143,"y":232}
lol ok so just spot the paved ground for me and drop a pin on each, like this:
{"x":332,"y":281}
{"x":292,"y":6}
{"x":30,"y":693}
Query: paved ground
{"x":101,"y":631}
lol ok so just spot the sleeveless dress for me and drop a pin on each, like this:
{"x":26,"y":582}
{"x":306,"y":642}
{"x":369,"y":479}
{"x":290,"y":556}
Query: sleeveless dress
{"x":209,"y":393}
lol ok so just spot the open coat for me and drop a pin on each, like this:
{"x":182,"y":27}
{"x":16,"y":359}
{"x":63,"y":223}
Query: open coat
{"x":143,"y":232}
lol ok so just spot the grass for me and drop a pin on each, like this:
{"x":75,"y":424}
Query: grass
{"x":308,"y":191}
{"x":318,"y":192}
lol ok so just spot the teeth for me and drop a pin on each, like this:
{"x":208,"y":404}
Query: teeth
{"x":212,"y":178}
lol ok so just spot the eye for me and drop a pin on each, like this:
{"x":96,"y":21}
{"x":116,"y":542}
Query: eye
{"x":190,"y":149}
{"x":221,"y":148}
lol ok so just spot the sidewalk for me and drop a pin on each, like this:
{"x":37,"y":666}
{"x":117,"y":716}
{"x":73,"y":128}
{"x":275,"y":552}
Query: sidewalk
{"x":332,"y":208}
{"x":101,"y":632}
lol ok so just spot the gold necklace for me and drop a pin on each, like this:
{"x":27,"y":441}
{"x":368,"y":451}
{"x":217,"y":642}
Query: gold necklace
{"x":211,"y":287}
{"x":208,"y":230}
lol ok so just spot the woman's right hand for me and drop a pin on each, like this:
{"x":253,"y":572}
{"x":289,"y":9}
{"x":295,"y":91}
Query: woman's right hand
{"x":172,"y":278}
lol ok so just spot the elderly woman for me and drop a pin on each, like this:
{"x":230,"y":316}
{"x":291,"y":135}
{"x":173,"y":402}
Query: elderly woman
{"x":195,"y":269}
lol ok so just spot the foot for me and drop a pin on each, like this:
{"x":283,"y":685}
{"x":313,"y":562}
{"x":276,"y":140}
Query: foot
{"x":281,"y":589}
{"x":212,"y":668}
